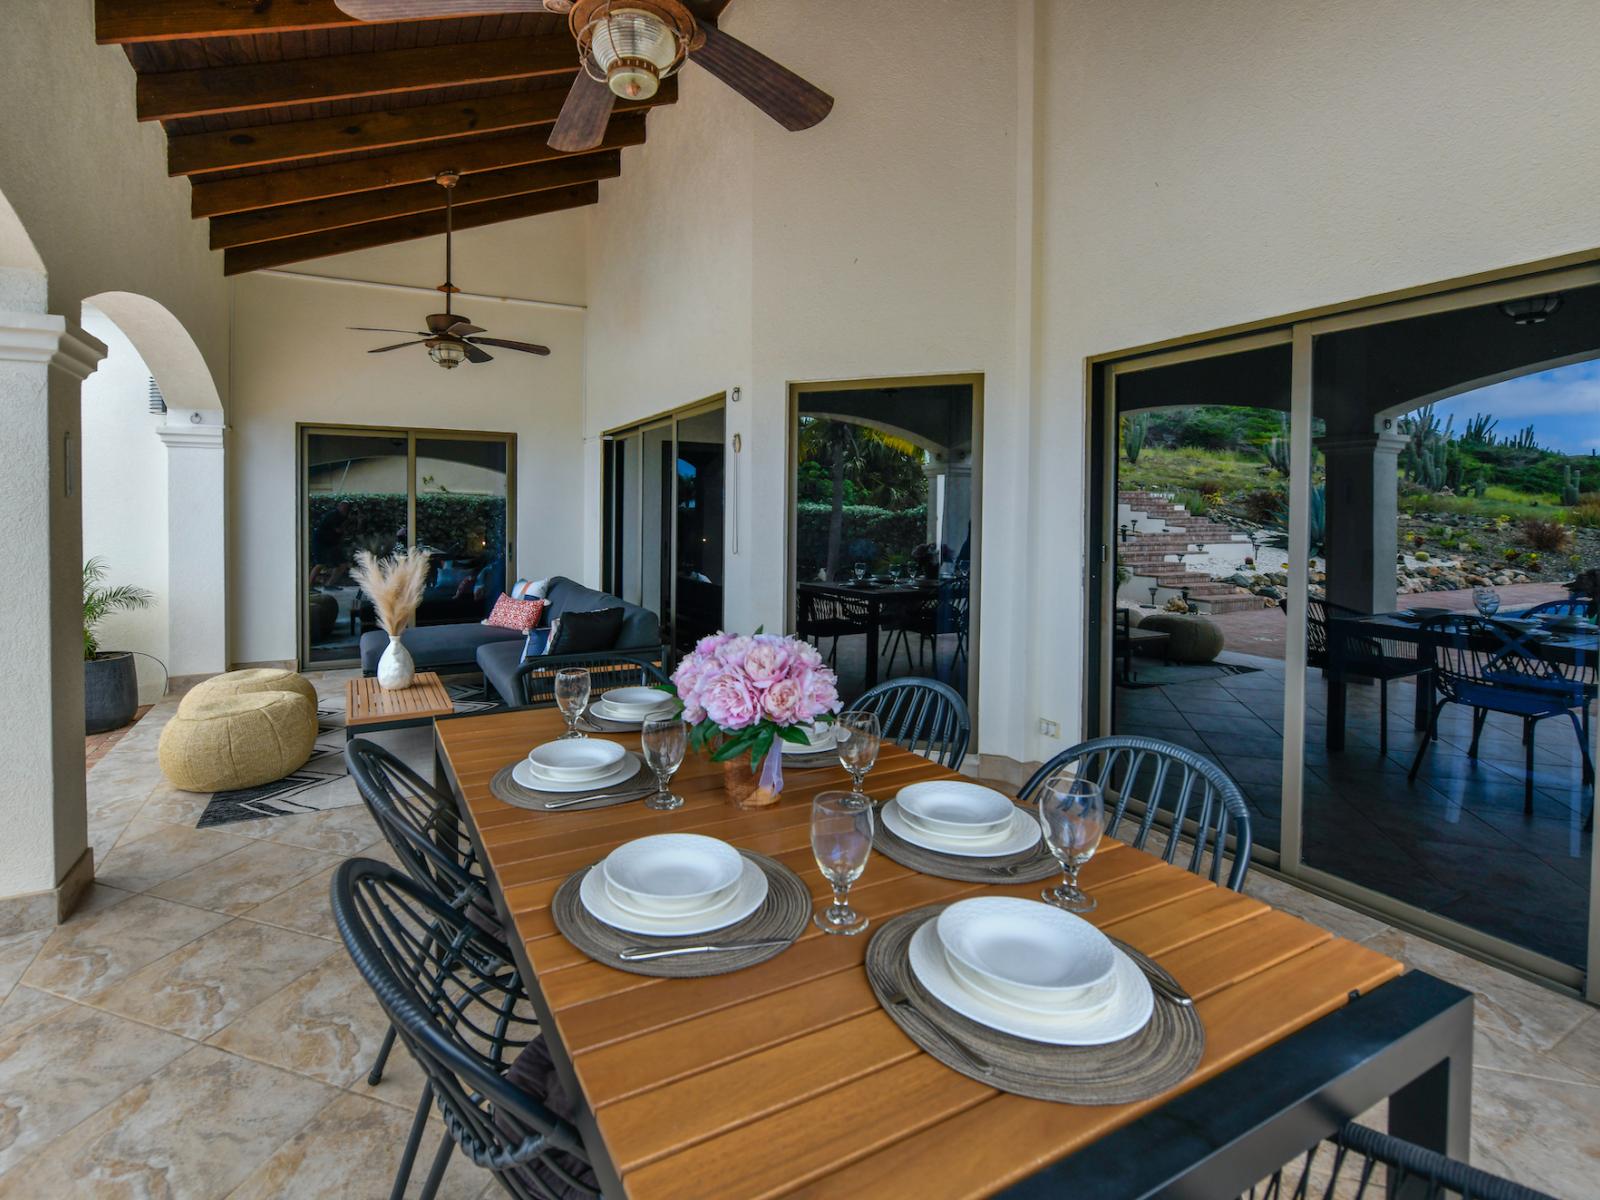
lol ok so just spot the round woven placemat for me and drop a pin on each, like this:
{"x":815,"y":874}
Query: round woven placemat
{"x":641,"y":783}
{"x":1158,"y":1057}
{"x":590,"y":723}
{"x":784,"y":914}
{"x":1026,"y":867}
{"x":799,"y":761}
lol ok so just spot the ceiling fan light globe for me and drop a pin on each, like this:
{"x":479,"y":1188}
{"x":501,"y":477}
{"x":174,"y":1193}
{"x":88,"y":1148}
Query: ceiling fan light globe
{"x":633,"y":79}
{"x":623,"y":34}
{"x":448,"y":355}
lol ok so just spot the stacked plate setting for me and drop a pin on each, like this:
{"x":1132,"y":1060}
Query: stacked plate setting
{"x":575,"y":765}
{"x":1032,"y":971}
{"x":632,"y":705}
{"x":821,"y":737}
{"x":966,"y":819}
{"x":673,"y":884}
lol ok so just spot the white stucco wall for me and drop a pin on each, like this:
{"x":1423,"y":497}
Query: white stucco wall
{"x":295,"y":362}
{"x":125,"y":497}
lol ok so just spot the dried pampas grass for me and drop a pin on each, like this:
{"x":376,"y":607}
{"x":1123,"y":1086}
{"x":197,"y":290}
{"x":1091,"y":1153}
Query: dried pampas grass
{"x":394,"y":584}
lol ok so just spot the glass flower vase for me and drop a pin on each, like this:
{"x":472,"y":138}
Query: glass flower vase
{"x":751,"y":789}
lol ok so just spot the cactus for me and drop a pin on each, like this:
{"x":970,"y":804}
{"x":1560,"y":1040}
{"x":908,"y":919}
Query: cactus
{"x":1569,"y":486}
{"x":1480,"y":430}
{"x":1523,"y":440}
{"x":1276,"y":452}
{"x":1133,"y":433}
{"x":1480,"y":486}
{"x":1430,"y":456}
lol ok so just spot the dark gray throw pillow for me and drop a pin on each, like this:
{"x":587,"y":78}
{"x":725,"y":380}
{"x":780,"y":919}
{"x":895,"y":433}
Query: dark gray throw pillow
{"x":585,"y":632}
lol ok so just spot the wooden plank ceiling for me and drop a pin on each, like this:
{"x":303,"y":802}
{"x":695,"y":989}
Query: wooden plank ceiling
{"x":305,"y":133}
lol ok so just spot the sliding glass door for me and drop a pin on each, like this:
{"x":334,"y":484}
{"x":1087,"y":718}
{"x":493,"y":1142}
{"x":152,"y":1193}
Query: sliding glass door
{"x":1354,"y":561}
{"x":664,"y":498}
{"x":369,"y":489}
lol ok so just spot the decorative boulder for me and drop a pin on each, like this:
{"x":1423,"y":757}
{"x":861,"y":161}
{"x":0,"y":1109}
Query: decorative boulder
{"x":248,"y":682}
{"x":1191,"y":639}
{"x":237,"y":741}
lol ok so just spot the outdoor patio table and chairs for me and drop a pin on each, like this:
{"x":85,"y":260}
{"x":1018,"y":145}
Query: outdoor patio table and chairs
{"x":791,"y":1062}
{"x":870,"y":608}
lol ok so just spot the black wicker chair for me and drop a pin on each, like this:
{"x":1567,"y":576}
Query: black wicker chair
{"x":454,"y":994}
{"x":1169,"y":779}
{"x":1358,"y":654}
{"x":821,"y":616}
{"x":923,"y":715}
{"x":1356,"y":1163}
{"x":536,"y":679}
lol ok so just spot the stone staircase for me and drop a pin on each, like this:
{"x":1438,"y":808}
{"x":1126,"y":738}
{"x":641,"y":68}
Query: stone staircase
{"x":1161,"y":530}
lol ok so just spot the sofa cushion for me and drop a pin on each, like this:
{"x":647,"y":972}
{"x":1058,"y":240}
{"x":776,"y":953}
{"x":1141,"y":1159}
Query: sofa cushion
{"x":521,"y":615}
{"x":435,"y":646}
{"x":641,"y":628}
{"x":499,"y":662}
{"x":585,"y":632}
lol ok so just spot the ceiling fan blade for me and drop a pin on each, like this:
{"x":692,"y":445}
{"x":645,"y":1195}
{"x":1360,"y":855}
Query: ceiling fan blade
{"x":525,"y":347}
{"x":400,"y":10}
{"x":398,"y":345}
{"x":475,"y":355}
{"x":774,"y":89}
{"x":380,"y":329}
{"x":584,"y":116}
{"x":463,"y":327}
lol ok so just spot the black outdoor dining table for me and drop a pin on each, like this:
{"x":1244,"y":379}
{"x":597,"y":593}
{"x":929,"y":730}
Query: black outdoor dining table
{"x":1395,"y":627}
{"x":877,"y":598}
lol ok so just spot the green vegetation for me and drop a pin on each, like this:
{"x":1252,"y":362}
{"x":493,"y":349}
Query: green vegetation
{"x":100,"y":601}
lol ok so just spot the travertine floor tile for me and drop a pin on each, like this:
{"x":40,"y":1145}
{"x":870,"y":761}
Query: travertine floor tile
{"x":344,"y":831}
{"x":200,"y":987}
{"x":151,"y":852}
{"x":55,"y":1073}
{"x":100,"y":946}
{"x":305,"y":907}
{"x":25,"y":1007}
{"x":1537,"y":1131}
{"x":1580,"y":1049}
{"x":177,"y":807}
{"x":244,"y":878}
{"x":193,"y":1131}
{"x":16,"y":952}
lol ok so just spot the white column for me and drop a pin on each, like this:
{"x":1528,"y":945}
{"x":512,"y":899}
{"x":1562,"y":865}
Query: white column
{"x":197,"y":582}
{"x":45,"y":860}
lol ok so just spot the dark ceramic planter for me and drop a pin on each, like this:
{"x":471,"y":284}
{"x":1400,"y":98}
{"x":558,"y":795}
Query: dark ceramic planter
{"x":110,"y":691}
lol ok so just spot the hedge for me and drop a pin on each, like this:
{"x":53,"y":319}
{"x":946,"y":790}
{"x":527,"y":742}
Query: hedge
{"x":871,"y":535}
{"x":447,"y":520}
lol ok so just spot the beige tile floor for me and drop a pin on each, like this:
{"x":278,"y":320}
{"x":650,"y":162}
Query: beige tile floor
{"x":195,"y":1030}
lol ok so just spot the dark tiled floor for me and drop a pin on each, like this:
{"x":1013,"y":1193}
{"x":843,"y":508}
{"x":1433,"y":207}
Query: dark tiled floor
{"x":1457,"y":842}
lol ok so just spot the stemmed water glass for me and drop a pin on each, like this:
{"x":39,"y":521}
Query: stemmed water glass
{"x":572,"y":697}
{"x":1487,"y":601}
{"x":858,"y":739}
{"x":859,"y":571}
{"x":664,"y":741}
{"x":1072,"y":813}
{"x":841,"y":839}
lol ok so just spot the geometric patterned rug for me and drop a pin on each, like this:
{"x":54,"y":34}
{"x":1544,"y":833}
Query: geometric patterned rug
{"x":310,"y":788}
{"x":1163,"y":674}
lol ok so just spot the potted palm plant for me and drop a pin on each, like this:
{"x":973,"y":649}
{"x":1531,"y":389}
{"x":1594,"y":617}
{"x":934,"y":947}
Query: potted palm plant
{"x":110,"y":685}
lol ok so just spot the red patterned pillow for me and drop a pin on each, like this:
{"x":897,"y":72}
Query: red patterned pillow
{"x":521,"y":615}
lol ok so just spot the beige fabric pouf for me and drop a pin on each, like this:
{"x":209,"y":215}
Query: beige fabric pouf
{"x":225,"y":742}
{"x":1191,"y":639}
{"x":250,"y":681}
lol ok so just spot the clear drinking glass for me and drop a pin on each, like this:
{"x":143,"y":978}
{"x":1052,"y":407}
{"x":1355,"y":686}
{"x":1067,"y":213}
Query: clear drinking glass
{"x":860,"y":571}
{"x":665,"y":740}
{"x":841,"y":839}
{"x":1487,"y":601}
{"x":859,"y":738}
{"x":572,"y":697}
{"x":1072,"y":813}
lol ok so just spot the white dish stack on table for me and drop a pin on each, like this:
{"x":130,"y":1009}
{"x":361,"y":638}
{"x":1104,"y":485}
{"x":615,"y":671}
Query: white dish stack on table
{"x":576,"y":765}
{"x":822,"y":738}
{"x":951,"y":817}
{"x":673,"y":884}
{"x":632,"y":705}
{"x":1032,"y":971}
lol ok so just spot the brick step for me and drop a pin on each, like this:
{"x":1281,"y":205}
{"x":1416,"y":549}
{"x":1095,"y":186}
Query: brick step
{"x":1227,"y":604}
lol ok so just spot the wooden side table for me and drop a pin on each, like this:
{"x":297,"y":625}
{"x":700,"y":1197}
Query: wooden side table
{"x":369,"y":707}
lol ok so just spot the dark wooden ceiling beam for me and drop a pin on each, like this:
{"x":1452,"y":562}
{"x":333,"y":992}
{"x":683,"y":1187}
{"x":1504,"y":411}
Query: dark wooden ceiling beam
{"x":165,"y":95}
{"x":297,"y":220}
{"x":244,"y":193}
{"x":402,"y":229}
{"x":125,"y":21}
{"x":263,"y":145}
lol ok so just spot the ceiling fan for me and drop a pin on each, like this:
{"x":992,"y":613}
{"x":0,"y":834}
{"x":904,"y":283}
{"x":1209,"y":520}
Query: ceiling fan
{"x":450,"y":337}
{"x":625,"y":48}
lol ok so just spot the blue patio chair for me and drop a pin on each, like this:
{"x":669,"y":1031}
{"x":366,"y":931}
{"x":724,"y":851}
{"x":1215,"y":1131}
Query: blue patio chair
{"x":1170,"y":779}
{"x":1490,"y":666}
{"x":923,"y":715}
{"x":454,"y":994}
{"x":1572,"y":606}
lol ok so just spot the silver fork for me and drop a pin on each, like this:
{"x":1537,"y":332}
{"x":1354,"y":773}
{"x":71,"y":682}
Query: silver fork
{"x":601,"y":796}
{"x":1166,"y":987}
{"x":904,"y":1003}
{"x":646,"y":953}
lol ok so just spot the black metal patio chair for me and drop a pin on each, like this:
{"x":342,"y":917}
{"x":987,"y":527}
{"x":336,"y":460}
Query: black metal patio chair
{"x":1358,"y":654}
{"x":454,"y":994}
{"x":1194,"y":796}
{"x":1357,"y":1162}
{"x":535,"y":680}
{"x":923,"y":715}
{"x":825,"y":616}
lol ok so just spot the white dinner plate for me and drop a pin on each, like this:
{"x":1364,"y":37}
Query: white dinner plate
{"x":633,"y":906}
{"x":576,"y":760}
{"x":746,"y":898}
{"x":1023,"y":835}
{"x":627,"y":716}
{"x":1125,"y":1013}
{"x":672,"y":873}
{"x":822,"y":740}
{"x":524,"y":774}
{"x":1023,"y":951}
{"x":954,"y":808}
{"x":636,"y":699}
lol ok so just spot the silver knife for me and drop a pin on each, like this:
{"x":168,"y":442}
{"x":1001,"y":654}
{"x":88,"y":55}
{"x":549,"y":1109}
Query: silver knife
{"x":1166,"y":987}
{"x":646,"y":953}
{"x":904,"y":1003}
{"x":601,"y":796}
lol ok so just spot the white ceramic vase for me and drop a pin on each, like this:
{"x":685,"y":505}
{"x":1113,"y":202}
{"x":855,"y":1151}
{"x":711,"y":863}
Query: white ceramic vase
{"x":396,"y":669}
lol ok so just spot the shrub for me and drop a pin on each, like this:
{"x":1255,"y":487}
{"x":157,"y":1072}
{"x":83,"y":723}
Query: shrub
{"x":870,"y":534}
{"x":1261,"y":506}
{"x":1543,"y":535}
{"x":1586,"y":515}
{"x":1197,"y":502}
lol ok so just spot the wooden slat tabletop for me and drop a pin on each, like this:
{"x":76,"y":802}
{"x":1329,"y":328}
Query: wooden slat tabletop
{"x":786,"y":1079}
{"x":368,"y":704}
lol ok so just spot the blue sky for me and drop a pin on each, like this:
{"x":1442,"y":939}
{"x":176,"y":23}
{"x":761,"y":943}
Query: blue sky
{"x":1562,"y":405}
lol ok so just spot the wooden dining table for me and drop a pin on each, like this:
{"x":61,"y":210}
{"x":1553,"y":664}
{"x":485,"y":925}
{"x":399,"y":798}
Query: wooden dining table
{"x":786,"y":1078}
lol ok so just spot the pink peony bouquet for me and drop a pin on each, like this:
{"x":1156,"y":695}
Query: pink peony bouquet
{"x":754,"y":690}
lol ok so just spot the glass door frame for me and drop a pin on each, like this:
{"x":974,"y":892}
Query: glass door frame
{"x":304,"y":431}
{"x":609,"y":550}
{"x":1301,"y":331}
